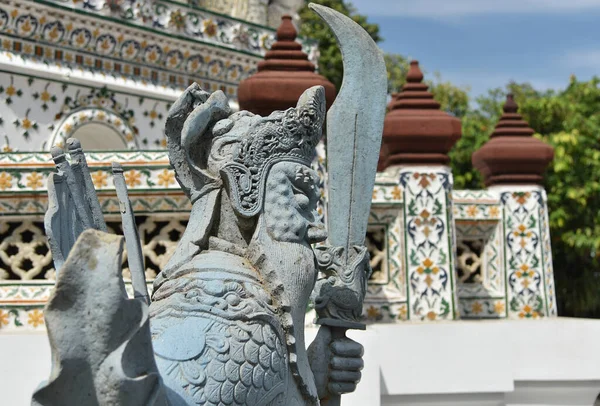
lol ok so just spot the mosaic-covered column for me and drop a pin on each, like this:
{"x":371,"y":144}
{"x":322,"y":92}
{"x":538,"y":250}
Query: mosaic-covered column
{"x":417,"y":137}
{"x":513,"y":163}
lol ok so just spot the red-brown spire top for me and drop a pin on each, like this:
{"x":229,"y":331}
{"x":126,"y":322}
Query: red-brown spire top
{"x":416,"y":131}
{"x":286,"y":30}
{"x":511,"y":123}
{"x":512,"y":155}
{"x":285,"y":73}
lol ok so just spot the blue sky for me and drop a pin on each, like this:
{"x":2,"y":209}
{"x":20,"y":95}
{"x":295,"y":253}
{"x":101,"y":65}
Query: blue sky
{"x":487,"y":43}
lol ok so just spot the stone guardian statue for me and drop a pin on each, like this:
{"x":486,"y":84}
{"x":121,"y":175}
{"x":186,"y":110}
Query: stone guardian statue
{"x":225,"y":323}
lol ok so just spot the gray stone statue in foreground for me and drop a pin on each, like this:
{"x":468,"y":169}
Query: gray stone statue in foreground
{"x":225,"y":325}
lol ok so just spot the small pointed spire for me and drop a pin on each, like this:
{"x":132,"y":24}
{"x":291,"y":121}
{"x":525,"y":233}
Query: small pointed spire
{"x":511,"y":123}
{"x":416,"y":131}
{"x":286,"y":30}
{"x":282,"y":77}
{"x":414,"y":74}
{"x":512,"y":155}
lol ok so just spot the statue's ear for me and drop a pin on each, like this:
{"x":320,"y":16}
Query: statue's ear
{"x":313,"y":102}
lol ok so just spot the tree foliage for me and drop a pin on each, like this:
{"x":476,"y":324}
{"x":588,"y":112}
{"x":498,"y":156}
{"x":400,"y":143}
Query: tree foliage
{"x":330,"y":59}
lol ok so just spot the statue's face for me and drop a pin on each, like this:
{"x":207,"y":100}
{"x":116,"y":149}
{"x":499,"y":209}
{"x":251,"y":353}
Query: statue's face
{"x":281,"y":245}
{"x":290,"y":206}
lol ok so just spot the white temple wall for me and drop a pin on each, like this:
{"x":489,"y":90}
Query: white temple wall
{"x":551,"y":362}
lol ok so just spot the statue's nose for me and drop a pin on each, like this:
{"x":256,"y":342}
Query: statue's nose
{"x":316,"y":232}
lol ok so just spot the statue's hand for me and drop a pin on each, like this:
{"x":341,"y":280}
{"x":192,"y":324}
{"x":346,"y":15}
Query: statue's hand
{"x":182,"y":107}
{"x":336,"y":363}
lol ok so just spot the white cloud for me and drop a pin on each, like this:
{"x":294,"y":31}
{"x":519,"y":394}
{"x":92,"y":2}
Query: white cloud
{"x":461,"y":8}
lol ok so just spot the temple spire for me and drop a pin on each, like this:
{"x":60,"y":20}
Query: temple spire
{"x":512,"y":155}
{"x":282,"y":77}
{"x":416,"y":131}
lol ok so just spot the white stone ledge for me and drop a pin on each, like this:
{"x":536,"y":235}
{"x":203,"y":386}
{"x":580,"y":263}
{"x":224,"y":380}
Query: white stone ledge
{"x":552,"y":362}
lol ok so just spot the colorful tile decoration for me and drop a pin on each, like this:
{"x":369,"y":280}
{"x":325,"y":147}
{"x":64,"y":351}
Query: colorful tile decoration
{"x":150,"y":180}
{"x":429,"y":242}
{"x":83,"y":42}
{"x":36,"y":113}
{"x":479,"y":257}
{"x":181,"y":20}
{"x":410,"y":213}
{"x":528,"y":264}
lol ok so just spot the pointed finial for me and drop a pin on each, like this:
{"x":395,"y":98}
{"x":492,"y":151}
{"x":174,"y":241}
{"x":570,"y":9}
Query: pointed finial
{"x":511,"y":123}
{"x":510,"y":106}
{"x":414,"y":74}
{"x":416,"y":131}
{"x":286,"y":30}
{"x":512,"y":155}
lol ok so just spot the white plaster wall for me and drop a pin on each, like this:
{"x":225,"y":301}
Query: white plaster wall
{"x":24,"y":364}
{"x":553,"y":362}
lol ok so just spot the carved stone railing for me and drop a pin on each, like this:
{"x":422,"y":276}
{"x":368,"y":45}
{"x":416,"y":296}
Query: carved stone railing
{"x":503,"y":266}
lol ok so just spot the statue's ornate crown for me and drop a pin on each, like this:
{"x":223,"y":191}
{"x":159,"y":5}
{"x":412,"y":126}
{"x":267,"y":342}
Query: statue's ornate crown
{"x":291,"y":135}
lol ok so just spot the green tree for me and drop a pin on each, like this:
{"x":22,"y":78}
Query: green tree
{"x":397,"y":69}
{"x":330,"y":59}
{"x":570,"y":121}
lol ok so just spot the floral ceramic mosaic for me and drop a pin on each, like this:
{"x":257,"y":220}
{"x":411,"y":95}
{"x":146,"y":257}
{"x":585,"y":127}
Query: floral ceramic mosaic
{"x":429,"y":243}
{"x":179,"y":19}
{"x":22,"y":305}
{"x":479,"y":262}
{"x":527,"y":263}
{"x":37,"y":113}
{"x":149,"y":178}
{"x":386,"y":299}
{"x":499,"y":266}
{"x":45,"y":33}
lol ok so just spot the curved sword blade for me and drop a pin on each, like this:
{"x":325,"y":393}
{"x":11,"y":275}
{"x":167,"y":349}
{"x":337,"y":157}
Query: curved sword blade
{"x":354,"y":130}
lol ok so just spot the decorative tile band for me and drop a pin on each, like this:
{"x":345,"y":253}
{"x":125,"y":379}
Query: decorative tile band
{"x":477,"y":211}
{"x":49,"y":36}
{"x":103,"y":71}
{"x":482,"y":308}
{"x":188,"y":21}
{"x":529,"y":277}
{"x":484,"y":196}
{"x":429,"y":243}
{"x":39,"y":112}
{"x":180,"y":20}
{"x":151,"y":19}
{"x":22,"y":306}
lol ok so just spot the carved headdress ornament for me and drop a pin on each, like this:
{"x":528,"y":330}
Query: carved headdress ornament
{"x":291,"y":135}
{"x":240,"y":148}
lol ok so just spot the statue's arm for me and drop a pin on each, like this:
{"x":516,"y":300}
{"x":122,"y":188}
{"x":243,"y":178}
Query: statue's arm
{"x":100,"y":340}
